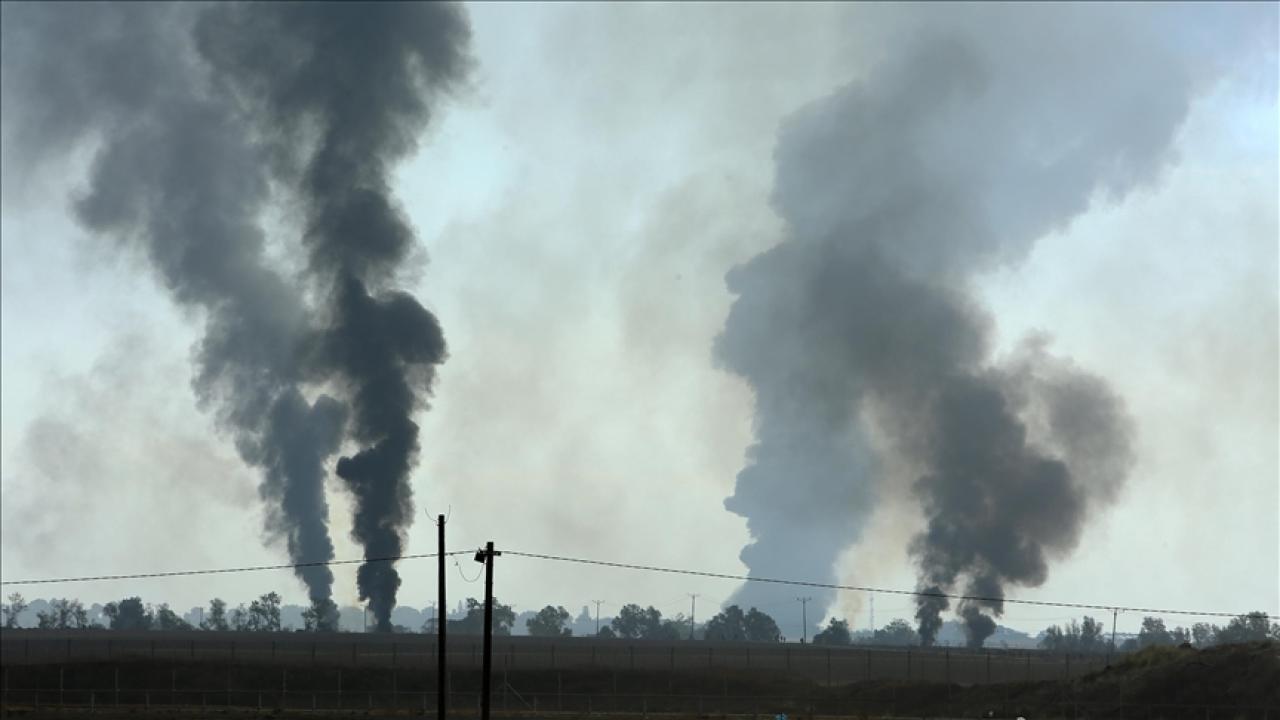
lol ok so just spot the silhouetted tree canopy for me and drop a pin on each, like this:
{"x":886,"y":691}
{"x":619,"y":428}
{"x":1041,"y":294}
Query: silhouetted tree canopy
{"x":473,"y":624}
{"x":128,"y":614}
{"x":836,"y":633}
{"x":13,"y":609}
{"x":549,"y":622}
{"x":63,"y":614}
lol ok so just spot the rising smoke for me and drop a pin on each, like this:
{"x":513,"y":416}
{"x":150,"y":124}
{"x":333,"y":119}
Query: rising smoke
{"x":985,"y":130}
{"x":199,"y":114}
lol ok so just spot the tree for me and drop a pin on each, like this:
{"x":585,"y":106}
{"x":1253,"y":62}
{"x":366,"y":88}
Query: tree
{"x":633,"y":622}
{"x":473,"y":624}
{"x":1091,"y":635}
{"x":549,"y":622}
{"x":1203,"y":634}
{"x":129,"y":614}
{"x":166,"y":619}
{"x":63,"y":614}
{"x":264,"y":613}
{"x":1053,"y":639}
{"x":730,"y":624}
{"x":760,"y":627}
{"x":898,"y":632}
{"x":16,"y":605}
{"x":1153,"y":633}
{"x":217,"y":616}
{"x":836,"y":633}
{"x":1253,"y":627}
{"x":607,"y":632}
{"x":240,"y":618}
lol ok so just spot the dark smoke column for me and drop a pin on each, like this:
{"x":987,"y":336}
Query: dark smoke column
{"x":340,"y":92}
{"x":176,"y":179}
{"x":981,"y":130}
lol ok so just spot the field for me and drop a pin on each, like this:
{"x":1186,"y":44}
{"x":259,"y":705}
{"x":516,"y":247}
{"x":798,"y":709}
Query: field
{"x":50,"y":674}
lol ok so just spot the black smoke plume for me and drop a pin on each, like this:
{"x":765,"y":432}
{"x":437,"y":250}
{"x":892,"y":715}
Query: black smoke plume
{"x":987,"y":129}
{"x":321,"y":98}
{"x":339,"y":92}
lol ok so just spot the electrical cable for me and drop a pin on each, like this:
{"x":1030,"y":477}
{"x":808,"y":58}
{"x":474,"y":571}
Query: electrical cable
{"x":885,"y":591}
{"x":218,"y":571}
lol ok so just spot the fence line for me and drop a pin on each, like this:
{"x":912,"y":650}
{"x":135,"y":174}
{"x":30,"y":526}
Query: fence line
{"x":822,"y":664}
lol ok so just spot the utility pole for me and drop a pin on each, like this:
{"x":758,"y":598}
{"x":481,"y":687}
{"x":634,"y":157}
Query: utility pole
{"x":486,"y":556}
{"x":442,"y":700}
{"x":804,"y":618}
{"x":1114,"y":613}
{"x":693,"y":609}
{"x":598,"y":603}
{"x":872,"y":620}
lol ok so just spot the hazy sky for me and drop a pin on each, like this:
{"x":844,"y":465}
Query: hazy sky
{"x":578,"y":207}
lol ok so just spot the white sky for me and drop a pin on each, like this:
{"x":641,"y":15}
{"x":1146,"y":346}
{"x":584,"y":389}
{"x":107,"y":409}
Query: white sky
{"x":580,"y":207}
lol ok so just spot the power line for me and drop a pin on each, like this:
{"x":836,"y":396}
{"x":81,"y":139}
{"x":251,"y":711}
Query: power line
{"x":886,"y":591}
{"x":219,"y":571}
{"x":648,"y":568}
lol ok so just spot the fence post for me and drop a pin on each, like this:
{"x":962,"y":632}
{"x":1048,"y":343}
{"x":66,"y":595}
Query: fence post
{"x":193,"y":649}
{"x":632,"y":650}
{"x":908,"y":664}
{"x":354,"y":660}
{"x":117,"y":685}
{"x":1028,"y":667}
{"x":62,"y":701}
{"x":988,"y":667}
{"x":828,"y":667}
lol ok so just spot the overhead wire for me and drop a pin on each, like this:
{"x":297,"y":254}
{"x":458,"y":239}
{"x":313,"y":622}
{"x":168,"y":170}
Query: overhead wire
{"x":649,"y":568}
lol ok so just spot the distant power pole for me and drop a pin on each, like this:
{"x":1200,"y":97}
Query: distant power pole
{"x":804,"y":618}
{"x":598,"y":604}
{"x":693,"y":609}
{"x":1114,"y":612}
{"x":872,"y":620}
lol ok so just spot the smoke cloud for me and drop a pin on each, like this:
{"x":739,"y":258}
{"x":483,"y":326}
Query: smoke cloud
{"x":982,"y":131}
{"x":200,"y":113}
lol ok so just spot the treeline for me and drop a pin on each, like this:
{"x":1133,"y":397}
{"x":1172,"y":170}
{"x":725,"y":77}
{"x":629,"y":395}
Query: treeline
{"x":633,"y":622}
{"x":1089,"y":635}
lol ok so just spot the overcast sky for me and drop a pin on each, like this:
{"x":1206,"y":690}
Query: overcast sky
{"x":578,"y":207}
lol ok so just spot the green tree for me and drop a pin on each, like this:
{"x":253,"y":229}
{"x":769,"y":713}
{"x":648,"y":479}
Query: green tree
{"x":17,"y":604}
{"x":898,"y":632}
{"x":1203,"y":634}
{"x":239,"y":618}
{"x":634,"y":622}
{"x":760,"y":627}
{"x":730,"y":624}
{"x":607,"y":632}
{"x":1091,"y":635}
{"x":264,"y":613}
{"x":836,"y":633}
{"x":63,"y":614}
{"x":216,"y":618}
{"x":473,"y":624}
{"x":166,"y":619}
{"x":549,"y":622}
{"x":1253,"y":627}
{"x":129,"y":614}
{"x":1153,"y":633}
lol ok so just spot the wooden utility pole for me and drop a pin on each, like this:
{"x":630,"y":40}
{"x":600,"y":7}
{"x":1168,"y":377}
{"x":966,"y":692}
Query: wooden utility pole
{"x":486,"y":556}
{"x":442,"y":700}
